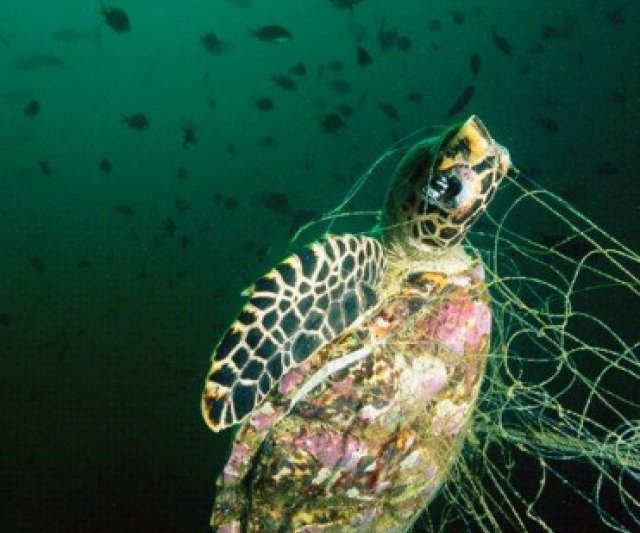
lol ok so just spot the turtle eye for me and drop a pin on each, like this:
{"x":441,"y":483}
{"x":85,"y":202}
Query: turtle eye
{"x":442,"y":190}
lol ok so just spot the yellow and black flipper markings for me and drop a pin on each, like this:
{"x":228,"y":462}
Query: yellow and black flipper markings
{"x":297,"y":308}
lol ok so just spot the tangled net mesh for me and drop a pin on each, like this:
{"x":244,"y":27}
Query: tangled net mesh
{"x":561,"y":394}
{"x":558,"y":417}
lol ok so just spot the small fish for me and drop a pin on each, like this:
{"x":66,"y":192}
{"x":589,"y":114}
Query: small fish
{"x":389,"y":110}
{"x":182,"y":173}
{"x":138,"y":121}
{"x":265,"y":104}
{"x":83,"y":263}
{"x":212,"y":44}
{"x":231,"y":149}
{"x":230,"y":204}
{"x":125,"y":210}
{"x":475,"y":62}
{"x":345,"y":110}
{"x":299,"y":69}
{"x":363,"y":58}
{"x":458,"y":18}
{"x":268,"y":142}
{"x":335,"y":66}
{"x":37,"y":61}
{"x":387,"y":37}
{"x":618,"y":97}
{"x":169,"y":227}
{"x":547,"y":32}
{"x":403,"y":43}
{"x":554,"y":32}
{"x":5,"y":319}
{"x":341,"y":86}
{"x":189,"y":139}
{"x":5,"y":40}
{"x":285,"y":82}
{"x":212,"y":103}
{"x":607,"y":169}
{"x":617,"y":16}
{"x":362,"y":98}
{"x":32,"y":108}
{"x":105,"y":166}
{"x":184,"y":242}
{"x":276,"y":202}
{"x":345,"y":4}
{"x":551,"y":102}
{"x":500,"y":42}
{"x":415,"y":97}
{"x":461,"y":102}
{"x":116,"y":18}
{"x":549,"y":124}
{"x":332,"y":123}
{"x":272,"y":33}
{"x":37,"y":264}
{"x":45,"y":168}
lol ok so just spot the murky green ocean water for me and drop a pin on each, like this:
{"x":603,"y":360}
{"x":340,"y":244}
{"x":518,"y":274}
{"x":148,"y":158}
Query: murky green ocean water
{"x":148,"y":174}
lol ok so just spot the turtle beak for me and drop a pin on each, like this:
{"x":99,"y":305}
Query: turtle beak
{"x":476,"y":136}
{"x":504,"y":160}
{"x":481,"y":144}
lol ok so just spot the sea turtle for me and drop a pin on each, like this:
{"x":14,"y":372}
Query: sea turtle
{"x":355,"y":365}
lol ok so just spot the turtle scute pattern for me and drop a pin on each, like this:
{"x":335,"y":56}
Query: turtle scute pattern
{"x":356,"y":380}
{"x":368,"y":448}
{"x":300,"y":306}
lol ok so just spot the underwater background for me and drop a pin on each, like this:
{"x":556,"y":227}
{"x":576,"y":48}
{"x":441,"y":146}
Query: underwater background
{"x":152,"y":166}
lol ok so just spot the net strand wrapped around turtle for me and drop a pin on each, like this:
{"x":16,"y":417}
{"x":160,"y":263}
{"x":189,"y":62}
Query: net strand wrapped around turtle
{"x":355,"y":367}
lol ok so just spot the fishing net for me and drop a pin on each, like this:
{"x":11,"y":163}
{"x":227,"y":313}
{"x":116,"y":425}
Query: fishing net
{"x":555,"y":439}
{"x":557,"y":430}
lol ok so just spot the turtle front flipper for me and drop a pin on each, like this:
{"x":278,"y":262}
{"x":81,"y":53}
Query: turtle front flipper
{"x":300,"y":306}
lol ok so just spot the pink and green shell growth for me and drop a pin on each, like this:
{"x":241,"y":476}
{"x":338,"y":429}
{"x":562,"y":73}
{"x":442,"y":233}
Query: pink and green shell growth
{"x":355,"y":367}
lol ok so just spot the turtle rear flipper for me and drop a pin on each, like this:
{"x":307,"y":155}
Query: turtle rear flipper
{"x":300,"y":306}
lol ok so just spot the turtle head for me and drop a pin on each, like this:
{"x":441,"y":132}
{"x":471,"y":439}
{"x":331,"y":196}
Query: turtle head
{"x":441,"y":187}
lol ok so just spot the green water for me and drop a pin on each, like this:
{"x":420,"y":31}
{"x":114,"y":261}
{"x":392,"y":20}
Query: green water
{"x":115,"y":286}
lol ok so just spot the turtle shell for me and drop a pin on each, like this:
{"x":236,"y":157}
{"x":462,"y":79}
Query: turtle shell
{"x":363,"y":433}
{"x":355,"y":367}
